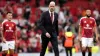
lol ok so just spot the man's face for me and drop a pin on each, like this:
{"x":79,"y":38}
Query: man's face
{"x":9,"y":16}
{"x":52,"y":7}
{"x":88,"y":12}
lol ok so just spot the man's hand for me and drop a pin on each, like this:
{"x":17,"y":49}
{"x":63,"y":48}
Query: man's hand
{"x":97,"y":38}
{"x":4,"y":41}
{"x":48,"y":35}
{"x":79,"y":38}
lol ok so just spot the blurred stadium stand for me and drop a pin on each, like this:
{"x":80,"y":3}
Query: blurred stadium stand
{"x":27,"y":13}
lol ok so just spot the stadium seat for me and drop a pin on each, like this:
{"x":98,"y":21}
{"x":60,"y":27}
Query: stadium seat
{"x":75,"y":4}
{"x":42,"y":2}
{"x":32,"y":3}
{"x":33,"y":10}
{"x":2,"y":3}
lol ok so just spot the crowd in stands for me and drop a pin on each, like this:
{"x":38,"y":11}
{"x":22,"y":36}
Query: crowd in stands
{"x":26,"y":14}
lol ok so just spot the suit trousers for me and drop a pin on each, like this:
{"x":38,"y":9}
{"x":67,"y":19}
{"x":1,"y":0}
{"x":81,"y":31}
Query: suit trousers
{"x":54,"y":42}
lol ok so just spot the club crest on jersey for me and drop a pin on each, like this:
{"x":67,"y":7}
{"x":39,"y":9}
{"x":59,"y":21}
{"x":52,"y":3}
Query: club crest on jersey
{"x":7,"y":25}
{"x":12,"y":25}
{"x":84,"y":21}
{"x":90,"y":21}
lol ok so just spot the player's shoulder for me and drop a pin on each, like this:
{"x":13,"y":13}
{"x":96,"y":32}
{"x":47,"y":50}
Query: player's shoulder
{"x":13,"y":23}
{"x":4,"y":21}
{"x":83,"y":18}
{"x":92,"y":18}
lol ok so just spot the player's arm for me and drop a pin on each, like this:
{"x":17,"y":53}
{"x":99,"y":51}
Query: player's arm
{"x":96,"y":31}
{"x":79,"y":32}
{"x":16,"y":34}
{"x":80,"y":29}
{"x":2,"y":31}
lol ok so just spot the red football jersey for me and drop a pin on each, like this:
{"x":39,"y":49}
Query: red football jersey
{"x":9,"y":29}
{"x":87,"y":25}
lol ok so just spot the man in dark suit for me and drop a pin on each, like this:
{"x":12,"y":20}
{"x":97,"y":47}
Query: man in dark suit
{"x":49,"y":26}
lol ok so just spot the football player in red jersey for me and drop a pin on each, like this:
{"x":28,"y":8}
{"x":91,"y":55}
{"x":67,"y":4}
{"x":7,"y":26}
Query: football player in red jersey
{"x":8,"y":35}
{"x":87,"y":27}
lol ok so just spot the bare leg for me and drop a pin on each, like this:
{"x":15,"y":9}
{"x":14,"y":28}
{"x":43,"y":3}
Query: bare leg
{"x":4,"y":53}
{"x":11,"y":52}
{"x":83,"y":51}
{"x":89,"y":51}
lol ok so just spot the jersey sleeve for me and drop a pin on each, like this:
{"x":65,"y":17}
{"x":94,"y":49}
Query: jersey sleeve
{"x":4,"y":21}
{"x":94,"y":22}
{"x":3,"y":26}
{"x":14,"y":27}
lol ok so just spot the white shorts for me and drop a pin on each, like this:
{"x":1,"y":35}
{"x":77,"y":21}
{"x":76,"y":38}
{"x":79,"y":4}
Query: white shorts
{"x":8,"y":45}
{"x":87,"y":42}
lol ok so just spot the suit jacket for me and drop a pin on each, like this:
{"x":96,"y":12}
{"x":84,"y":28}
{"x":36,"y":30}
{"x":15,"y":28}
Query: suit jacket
{"x":46,"y":24}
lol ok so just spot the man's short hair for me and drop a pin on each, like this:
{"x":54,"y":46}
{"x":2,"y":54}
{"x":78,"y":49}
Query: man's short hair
{"x":9,"y":12}
{"x":68,"y":29}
